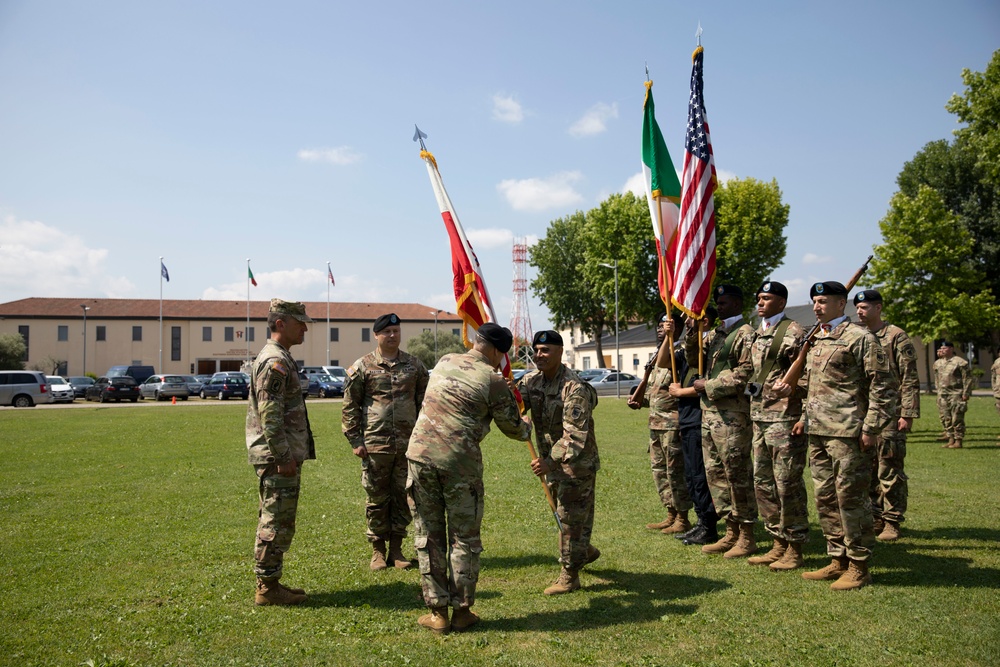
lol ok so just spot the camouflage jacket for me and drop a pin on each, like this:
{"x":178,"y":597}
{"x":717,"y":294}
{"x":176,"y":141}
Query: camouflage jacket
{"x":953,"y":377}
{"x":662,"y":406}
{"x":277,"y":425}
{"x":562,"y":413}
{"x":381,"y":401}
{"x":995,"y":378}
{"x":902,"y":359}
{"x":725,"y":392}
{"x":464,"y":394}
{"x":765,"y":406}
{"x":848,"y":383}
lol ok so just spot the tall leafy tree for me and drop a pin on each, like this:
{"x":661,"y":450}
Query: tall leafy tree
{"x":422,"y":346}
{"x":12,"y":349}
{"x":979,"y":108}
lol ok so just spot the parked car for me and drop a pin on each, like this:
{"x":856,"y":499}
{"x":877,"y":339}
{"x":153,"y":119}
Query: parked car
{"x":232,"y":374}
{"x":608,"y":384}
{"x":592,"y":373}
{"x":325,"y":386}
{"x":336,"y":372}
{"x":137,"y":373}
{"x":60,"y":389}
{"x":226,"y":387}
{"x":193,"y":383}
{"x":203,"y":377}
{"x":80,"y":384}
{"x":162,"y":387}
{"x":518,"y":373}
{"x":118,"y":389}
{"x":23,"y":389}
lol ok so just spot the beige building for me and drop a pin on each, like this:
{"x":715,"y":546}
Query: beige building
{"x":197,"y":336}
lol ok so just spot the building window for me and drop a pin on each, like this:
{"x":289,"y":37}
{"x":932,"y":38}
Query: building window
{"x":175,"y":343}
{"x":63,"y":332}
{"x":250,"y":335}
{"x":62,"y":367}
{"x":102,"y":333}
{"x":229,"y":334}
{"x":456,"y":332}
{"x":206,"y":334}
{"x":334,"y":336}
{"x":586,"y":363}
{"x":335,"y":362}
{"x":136,"y":333}
{"x":366,"y":334}
{"x":24,"y":331}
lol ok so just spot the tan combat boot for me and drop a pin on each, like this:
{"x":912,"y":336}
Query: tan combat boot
{"x":567,"y":582}
{"x":296,"y":591}
{"x":745,"y":545}
{"x":943,"y":437}
{"x":593,"y":553}
{"x":436,"y":621}
{"x":463,"y":618}
{"x":378,"y":556}
{"x":832,"y":571}
{"x":889,"y":533}
{"x":772,"y":556}
{"x":948,"y":444}
{"x":955,"y":444}
{"x":878,"y":523}
{"x":791,"y":560}
{"x":396,"y":557}
{"x":727,"y":542}
{"x":273,"y":593}
{"x":680,"y":525}
{"x":666,"y":523}
{"x":856,"y":577}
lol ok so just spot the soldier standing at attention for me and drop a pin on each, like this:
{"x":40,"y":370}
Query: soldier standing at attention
{"x":850,"y":401}
{"x":779,"y":455}
{"x":888,"y":488}
{"x":445,"y":483}
{"x":954,"y":385}
{"x":562,"y":407}
{"x":382,"y":398}
{"x":995,"y":383}
{"x":666,"y":459}
{"x":278,"y":441}
{"x":725,"y":429}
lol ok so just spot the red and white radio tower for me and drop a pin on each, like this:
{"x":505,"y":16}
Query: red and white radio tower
{"x":520,"y":320}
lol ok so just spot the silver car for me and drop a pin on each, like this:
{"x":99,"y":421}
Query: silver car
{"x":609,"y":383}
{"x":162,"y":387}
{"x":60,"y":388}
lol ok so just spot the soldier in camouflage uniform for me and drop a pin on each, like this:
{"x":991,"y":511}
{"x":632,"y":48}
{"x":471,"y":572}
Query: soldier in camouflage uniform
{"x":278,"y":441}
{"x":779,"y":455}
{"x":445,"y":483}
{"x":995,"y":383}
{"x":726,"y":430}
{"x":850,"y":401}
{"x":382,"y":398}
{"x":954,"y":386}
{"x":888,"y":488}
{"x":561,"y":405}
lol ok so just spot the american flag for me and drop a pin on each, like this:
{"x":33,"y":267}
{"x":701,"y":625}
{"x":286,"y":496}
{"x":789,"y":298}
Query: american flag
{"x":694,"y":264}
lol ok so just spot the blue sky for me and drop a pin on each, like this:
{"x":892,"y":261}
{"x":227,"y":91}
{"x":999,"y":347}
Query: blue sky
{"x":210,"y":132}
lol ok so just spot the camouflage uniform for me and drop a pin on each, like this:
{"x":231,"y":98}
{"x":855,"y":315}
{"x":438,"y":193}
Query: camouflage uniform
{"x":995,"y":381}
{"x":888,"y":488}
{"x":666,"y":458}
{"x":381,"y":402}
{"x":779,"y":456}
{"x":849,"y":392}
{"x":562,"y":413}
{"x":725,"y":429}
{"x":954,"y":383}
{"x":445,"y":483}
{"x":277,"y":432}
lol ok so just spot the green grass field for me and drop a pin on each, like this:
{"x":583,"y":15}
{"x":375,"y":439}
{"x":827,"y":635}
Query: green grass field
{"x":127,"y":540}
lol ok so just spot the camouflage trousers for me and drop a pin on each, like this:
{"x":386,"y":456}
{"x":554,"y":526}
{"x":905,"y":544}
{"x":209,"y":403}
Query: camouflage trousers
{"x":447,"y":516}
{"x":726,"y":445}
{"x":779,"y":480}
{"x":666,"y":459}
{"x":952,"y":409}
{"x":575,"y":506}
{"x":841,"y":474}
{"x":889,"y":486}
{"x":279,"y":500}
{"x":383,"y":477}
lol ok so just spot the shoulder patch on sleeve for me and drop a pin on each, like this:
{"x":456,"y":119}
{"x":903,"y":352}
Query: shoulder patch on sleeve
{"x":279,"y":367}
{"x":274,"y":384}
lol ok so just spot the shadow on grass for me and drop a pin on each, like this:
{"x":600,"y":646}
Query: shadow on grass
{"x":526,"y":560}
{"x":396,"y":595}
{"x":648,"y":597}
{"x":912,"y":562}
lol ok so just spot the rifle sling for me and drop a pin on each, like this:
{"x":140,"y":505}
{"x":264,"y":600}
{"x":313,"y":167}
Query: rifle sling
{"x":772,"y":352}
{"x":721,"y":362}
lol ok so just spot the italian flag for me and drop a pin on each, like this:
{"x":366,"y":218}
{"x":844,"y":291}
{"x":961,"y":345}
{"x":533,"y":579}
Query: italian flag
{"x":663,"y":193}
{"x":250,"y":276}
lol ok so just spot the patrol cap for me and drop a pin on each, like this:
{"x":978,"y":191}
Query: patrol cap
{"x":500,"y":337}
{"x":775,"y":288}
{"x":868,"y":296}
{"x":548,"y":337}
{"x":947,"y":343}
{"x":294,"y":309}
{"x":829,"y":288}
{"x":731,"y":290}
{"x":390,"y":319}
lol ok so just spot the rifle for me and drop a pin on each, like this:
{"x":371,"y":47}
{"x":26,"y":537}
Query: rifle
{"x":794,"y":373}
{"x":658,"y":362}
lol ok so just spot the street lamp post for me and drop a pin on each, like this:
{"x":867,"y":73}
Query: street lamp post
{"x":435,"y":314}
{"x":85,"y":309}
{"x":618,"y":374}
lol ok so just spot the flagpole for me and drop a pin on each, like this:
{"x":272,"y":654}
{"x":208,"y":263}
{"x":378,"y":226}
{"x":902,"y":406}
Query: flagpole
{"x":329,"y":272}
{"x":160,"y":367}
{"x":246,"y":332}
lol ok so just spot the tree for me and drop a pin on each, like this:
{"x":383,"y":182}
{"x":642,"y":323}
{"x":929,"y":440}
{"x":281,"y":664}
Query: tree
{"x":422,"y":346}
{"x":979,"y":108}
{"x":12,"y":351}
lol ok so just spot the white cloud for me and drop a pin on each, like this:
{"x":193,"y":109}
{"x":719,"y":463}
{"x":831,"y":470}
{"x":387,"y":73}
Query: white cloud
{"x":539,"y":194}
{"x":488,"y":239}
{"x":595,"y":120}
{"x":722,"y":174}
{"x":308,"y":285}
{"x":38,"y":260}
{"x":636,"y":184}
{"x":812,"y":258}
{"x":506,"y":109}
{"x":342,"y":155}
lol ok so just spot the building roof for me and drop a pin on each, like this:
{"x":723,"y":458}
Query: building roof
{"x":133,"y":309}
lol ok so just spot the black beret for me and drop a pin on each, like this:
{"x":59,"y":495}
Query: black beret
{"x":829,"y":288}
{"x":662,"y":318}
{"x":386,"y":320}
{"x":731,"y":290}
{"x":547,"y":337}
{"x":773,"y":287}
{"x":947,"y":343}
{"x":500,"y":337}
{"x":868,"y":296}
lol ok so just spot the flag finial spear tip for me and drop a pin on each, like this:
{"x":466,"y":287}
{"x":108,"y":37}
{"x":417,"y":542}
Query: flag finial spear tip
{"x":419,"y":136}
{"x":647,"y":71}
{"x":698,"y":33}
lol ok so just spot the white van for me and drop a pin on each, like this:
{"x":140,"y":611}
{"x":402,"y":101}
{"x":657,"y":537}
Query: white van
{"x":336,"y":372}
{"x":24,"y":389}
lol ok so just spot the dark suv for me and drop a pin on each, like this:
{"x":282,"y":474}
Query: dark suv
{"x":116,"y":389}
{"x":225,"y":387}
